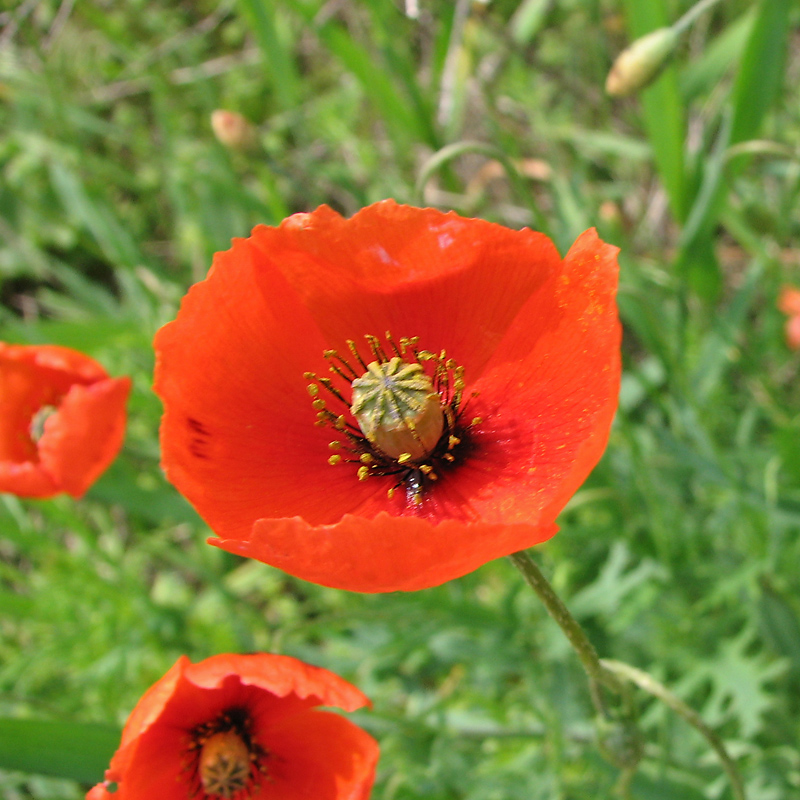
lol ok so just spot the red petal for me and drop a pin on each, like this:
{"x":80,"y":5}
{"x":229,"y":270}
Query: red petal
{"x":383,"y":554}
{"x":281,"y":676}
{"x":99,"y":792}
{"x":456,"y":283}
{"x":321,"y":756}
{"x":549,"y":393}
{"x":238,"y":435}
{"x":28,"y":479}
{"x":793,"y":332}
{"x":789,"y":300}
{"x":84,"y":436}
{"x":31,"y":377}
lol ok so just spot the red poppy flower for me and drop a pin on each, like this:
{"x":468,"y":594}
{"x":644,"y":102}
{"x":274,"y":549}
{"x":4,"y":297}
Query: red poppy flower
{"x":240,"y":727}
{"x":62,"y":420}
{"x":465,"y":376}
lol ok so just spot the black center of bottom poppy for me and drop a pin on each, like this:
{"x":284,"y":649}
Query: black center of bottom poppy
{"x":224,"y":762}
{"x":408,"y":409}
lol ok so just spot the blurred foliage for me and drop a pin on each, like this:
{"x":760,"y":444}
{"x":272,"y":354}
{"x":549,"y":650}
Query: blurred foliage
{"x":679,"y":554}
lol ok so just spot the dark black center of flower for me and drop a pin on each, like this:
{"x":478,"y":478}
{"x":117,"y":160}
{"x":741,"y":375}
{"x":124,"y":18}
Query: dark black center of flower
{"x":224,"y":762}
{"x":408,"y":406}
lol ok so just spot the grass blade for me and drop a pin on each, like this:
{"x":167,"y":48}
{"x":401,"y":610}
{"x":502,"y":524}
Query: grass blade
{"x":72,"y":750}
{"x":663,"y":110}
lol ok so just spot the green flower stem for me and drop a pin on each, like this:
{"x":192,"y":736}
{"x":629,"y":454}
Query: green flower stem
{"x":598,"y":674}
{"x":646,"y":682}
{"x":457,"y":149}
{"x":614,"y":675}
{"x":692,"y":14}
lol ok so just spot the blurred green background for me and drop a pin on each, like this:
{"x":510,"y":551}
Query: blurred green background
{"x":681,"y":552}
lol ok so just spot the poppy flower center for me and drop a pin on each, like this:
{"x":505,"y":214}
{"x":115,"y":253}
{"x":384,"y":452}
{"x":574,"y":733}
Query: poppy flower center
{"x":408,"y":408}
{"x":397,"y":409}
{"x":225,"y":763}
{"x":224,"y":766}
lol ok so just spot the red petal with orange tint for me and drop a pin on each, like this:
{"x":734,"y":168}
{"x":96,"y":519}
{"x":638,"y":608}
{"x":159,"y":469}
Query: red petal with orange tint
{"x":384,"y":554}
{"x":84,"y":436}
{"x":456,"y":283}
{"x":238,"y":436}
{"x":281,"y":676}
{"x":789,"y":300}
{"x":320,"y":755}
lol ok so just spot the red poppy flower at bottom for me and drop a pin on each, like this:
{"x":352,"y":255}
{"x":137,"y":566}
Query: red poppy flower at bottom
{"x":240,"y":727}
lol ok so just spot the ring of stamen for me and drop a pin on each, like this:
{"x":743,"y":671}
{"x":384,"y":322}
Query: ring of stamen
{"x":408,"y":406}
{"x":223,"y":760}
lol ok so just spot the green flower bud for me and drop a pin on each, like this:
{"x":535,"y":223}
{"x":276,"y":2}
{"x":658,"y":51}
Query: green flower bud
{"x":638,"y":65}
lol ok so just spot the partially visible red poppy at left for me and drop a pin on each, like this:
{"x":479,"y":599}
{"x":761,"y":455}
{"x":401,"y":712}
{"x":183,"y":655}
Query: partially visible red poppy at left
{"x":62,"y":420}
{"x":243,"y":727}
{"x":389,"y":401}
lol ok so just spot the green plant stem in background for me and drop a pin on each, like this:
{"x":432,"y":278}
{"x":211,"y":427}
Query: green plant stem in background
{"x":604,"y":672}
{"x":692,"y":14}
{"x":598,"y":674}
{"x":456,"y":149}
{"x":645,"y":681}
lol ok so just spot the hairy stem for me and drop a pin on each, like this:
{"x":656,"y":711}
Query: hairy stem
{"x":598,"y":674}
{"x":650,"y":685}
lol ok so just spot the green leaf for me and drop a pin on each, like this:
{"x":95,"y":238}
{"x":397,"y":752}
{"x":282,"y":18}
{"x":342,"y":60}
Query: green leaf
{"x":663,"y":109}
{"x":261,"y":16}
{"x":760,"y":75}
{"x":717,"y":57}
{"x":73,"y":750}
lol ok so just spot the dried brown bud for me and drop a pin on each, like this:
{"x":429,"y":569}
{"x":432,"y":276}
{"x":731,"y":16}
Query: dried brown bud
{"x":233,"y":130}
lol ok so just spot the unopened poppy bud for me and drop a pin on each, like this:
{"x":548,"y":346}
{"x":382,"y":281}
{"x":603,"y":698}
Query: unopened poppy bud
{"x":233,"y":130}
{"x":224,"y":765}
{"x":639,"y":64}
{"x":397,"y":409}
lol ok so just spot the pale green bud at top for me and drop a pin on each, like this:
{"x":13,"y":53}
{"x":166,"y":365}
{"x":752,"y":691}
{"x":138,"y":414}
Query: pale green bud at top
{"x":639,"y":64}
{"x":397,"y":409}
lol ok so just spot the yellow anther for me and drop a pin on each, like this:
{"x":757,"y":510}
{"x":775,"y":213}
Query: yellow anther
{"x":318,"y":404}
{"x":366,"y":458}
{"x":390,"y":493}
{"x":449,"y":457}
{"x":426,"y":468}
{"x":476,"y":420}
{"x":313,"y":389}
{"x":340,"y":423}
{"x":334,"y":460}
{"x":452,"y":441}
{"x":335,"y":445}
{"x":363,"y":473}
{"x":403,"y":458}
